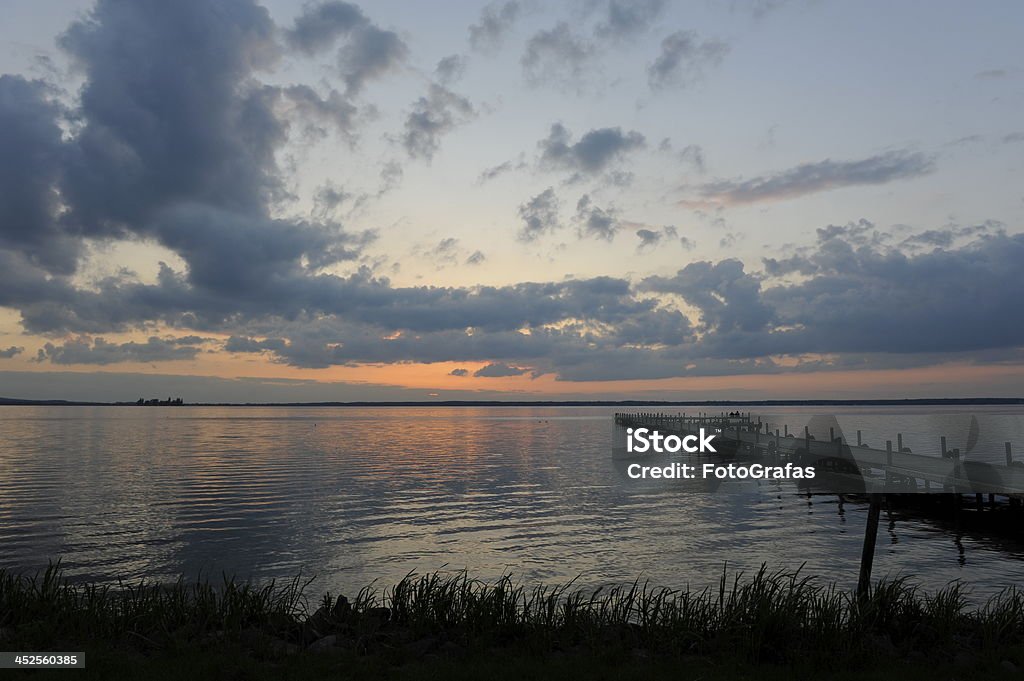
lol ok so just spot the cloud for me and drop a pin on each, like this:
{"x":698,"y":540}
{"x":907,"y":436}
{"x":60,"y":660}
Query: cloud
{"x":371,"y":53}
{"x":11,"y":352}
{"x":691,"y":154}
{"x":332,"y":109}
{"x":459,"y":372}
{"x":169,"y":113}
{"x":499,"y":370}
{"x":367,"y":52}
{"x":496,"y":20}
{"x":489,"y":174}
{"x":694,"y":155}
{"x":728,"y":298}
{"x":391,"y":174}
{"x":319,"y":26}
{"x":540,"y":215}
{"x":595,"y":151}
{"x":450,"y":68}
{"x":431,"y":117}
{"x":328,"y":198}
{"x":246,"y":344}
{"x":810,"y":178}
{"x":446,"y":251}
{"x":557,"y":56}
{"x":683,"y":59}
{"x":628,"y":18}
{"x":475,"y":258}
{"x":84,"y":350}
{"x":649,"y":238}
{"x":31,"y":158}
{"x":594,"y":221}
{"x":173,"y":141}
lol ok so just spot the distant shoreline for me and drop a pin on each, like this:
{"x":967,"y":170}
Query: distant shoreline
{"x":926,"y":402}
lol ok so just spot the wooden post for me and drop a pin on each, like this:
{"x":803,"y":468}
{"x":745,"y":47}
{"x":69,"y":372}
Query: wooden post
{"x":786,"y":432}
{"x":1009,"y":455}
{"x":942,"y":445}
{"x":858,"y":438}
{"x":899,"y":442}
{"x":831,"y":434}
{"x":867,"y":554}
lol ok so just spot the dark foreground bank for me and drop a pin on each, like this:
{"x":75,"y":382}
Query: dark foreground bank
{"x":767,"y":625}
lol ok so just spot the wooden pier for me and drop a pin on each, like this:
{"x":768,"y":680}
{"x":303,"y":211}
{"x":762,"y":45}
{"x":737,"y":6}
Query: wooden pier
{"x":879,"y":475}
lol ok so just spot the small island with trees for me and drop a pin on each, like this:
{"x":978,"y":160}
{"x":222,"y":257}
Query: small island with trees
{"x":157,"y":402}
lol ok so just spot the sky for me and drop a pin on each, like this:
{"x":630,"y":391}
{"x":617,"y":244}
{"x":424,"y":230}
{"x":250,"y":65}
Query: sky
{"x":601,"y":199}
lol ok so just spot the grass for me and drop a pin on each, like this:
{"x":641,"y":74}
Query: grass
{"x":765,"y":620}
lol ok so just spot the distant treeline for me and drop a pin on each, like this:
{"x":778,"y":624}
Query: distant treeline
{"x":157,"y":402}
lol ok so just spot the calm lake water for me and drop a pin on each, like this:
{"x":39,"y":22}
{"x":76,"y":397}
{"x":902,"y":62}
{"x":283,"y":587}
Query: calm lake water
{"x":354,"y":495}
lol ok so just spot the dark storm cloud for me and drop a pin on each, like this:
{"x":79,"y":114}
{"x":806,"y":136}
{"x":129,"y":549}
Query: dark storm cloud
{"x":31,"y":158}
{"x":475,"y":258}
{"x":627,"y":18}
{"x":540,"y":215}
{"x":938,"y":301}
{"x":558,"y":56}
{"x":440,"y":111}
{"x":234,"y":254}
{"x":810,"y":178}
{"x":11,"y":352}
{"x":683,"y":59}
{"x":860,"y":299}
{"x":169,"y":112}
{"x":173,"y":141}
{"x":85,"y":350}
{"x":594,"y":152}
{"x":729,"y":298}
{"x":499,"y":370}
{"x":496,"y":20}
